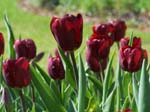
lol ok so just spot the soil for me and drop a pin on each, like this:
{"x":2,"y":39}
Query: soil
{"x":143,"y":18}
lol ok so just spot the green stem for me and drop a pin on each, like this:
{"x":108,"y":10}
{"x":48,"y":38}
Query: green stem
{"x":32,"y":93}
{"x":22,"y":100}
{"x":74,"y":66}
{"x":118,"y":46}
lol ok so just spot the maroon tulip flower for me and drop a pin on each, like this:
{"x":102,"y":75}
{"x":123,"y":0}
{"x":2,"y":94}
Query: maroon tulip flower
{"x":16,"y":72}
{"x":119,"y":29}
{"x":67,"y":31}
{"x":98,"y":47}
{"x":1,"y":44}
{"x":131,"y":57}
{"x":25,"y":48}
{"x":103,"y":29}
{"x":55,"y":68}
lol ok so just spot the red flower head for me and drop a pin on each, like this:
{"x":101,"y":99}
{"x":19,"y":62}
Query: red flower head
{"x":16,"y":72}
{"x":67,"y":31}
{"x":25,"y":48}
{"x":131,"y":57}
{"x":98,"y":47}
{"x":102,"y":29}
{"x":1,"y":44}
{"x":55,"y":68}
{"x":119,"y":29}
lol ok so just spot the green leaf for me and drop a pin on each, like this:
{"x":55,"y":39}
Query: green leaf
{"x":135,"y":88}
{"x":106,"y":79}
{"x":144,"y":91}
{"x":48,"y":97}
{"x":11,"y":38}
{"x":96,"y":83}
{"x":119,"y":86}
{"x":68,"y":69}
{"x":108,"y":105}
{"x":43,"y":73}
{"x":1,"y":76}
{"x":72,"y":107}
{"x":82,"y":86}
{"x":125,"y":104}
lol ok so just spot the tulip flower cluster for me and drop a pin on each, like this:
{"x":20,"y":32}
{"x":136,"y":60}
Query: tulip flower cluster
{"x":69,"y":85}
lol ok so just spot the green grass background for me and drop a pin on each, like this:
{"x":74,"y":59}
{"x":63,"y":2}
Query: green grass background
{"x":30,"y":25}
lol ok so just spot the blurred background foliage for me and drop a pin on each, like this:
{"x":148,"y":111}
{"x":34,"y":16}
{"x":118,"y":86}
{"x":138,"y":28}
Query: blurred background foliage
{"x":96,"y":7}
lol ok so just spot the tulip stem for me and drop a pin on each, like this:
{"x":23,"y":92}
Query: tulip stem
{"x":102,"y":74}
{"x":59,"y":85}
{"x":32,"y":93}
{"x":22,"y":100}
{"x":74,"y":67}
{"x":118,"y":46}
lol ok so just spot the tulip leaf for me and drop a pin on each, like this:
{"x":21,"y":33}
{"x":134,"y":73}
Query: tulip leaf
{"x":11,"y":38}
{"x":68,"y":69}
{"x":82,"y":86}
{"x":48,"y":97}
{"x":125,"y":104}
{"x":108,"y":105}
{"x":1,"y":77}
{"x":43,"y":73}
{"x":106,"y":79}
{"x":135,"y":88}
{"x":96,"y":83}
{"x":144,"y":91}
{"x":72,"y":107}
{"x":119,"y":86}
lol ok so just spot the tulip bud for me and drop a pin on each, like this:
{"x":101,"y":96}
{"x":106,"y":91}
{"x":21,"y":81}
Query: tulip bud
{"x":119,"y":29}
{"x":1,"y":44}
{"x":67,"y":31}
{"x":25,"y":48}
{"x":55,"y":68}
{"x":16,"y":72}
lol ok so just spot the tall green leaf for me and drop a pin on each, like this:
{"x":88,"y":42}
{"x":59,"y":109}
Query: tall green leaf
{"x":11,"y":38}
{"x":144,"y":91}
{"x":106,"y":80}
{"x":82,"y":86}
{"x":50,"y":100}
{"x":68,"y":69}
{"x":108,"y":105}
{"x":135,"y":88}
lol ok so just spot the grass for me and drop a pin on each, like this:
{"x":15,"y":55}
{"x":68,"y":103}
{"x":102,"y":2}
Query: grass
{"x":30,"y":25}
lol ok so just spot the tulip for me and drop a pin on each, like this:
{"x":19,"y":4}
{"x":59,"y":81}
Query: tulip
{"x":67,"y":31}
{"x":16,"y":72}
{"x":102,"y":29}
{"x":25,"y":48}
{"x":55,"y":68}
{"x":119,"y":29}
{"x":1,"y":44}
{"x":98,"y":47}
{"x":131,"y":57}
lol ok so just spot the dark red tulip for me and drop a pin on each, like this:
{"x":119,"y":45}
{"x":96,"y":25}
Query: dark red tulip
{"x":25,"y":48}
{"x":131,"y":57}
{"x":1,"y":44}
{"x":119,"y":29}
{"x":16,"y":72}
{"x":102,"y":29}
{"x":98,"y":47}
{"x":55,"y":68}
{"x":67,"y":31}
